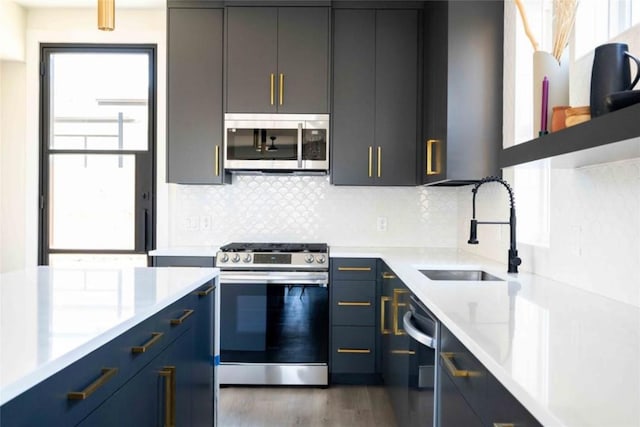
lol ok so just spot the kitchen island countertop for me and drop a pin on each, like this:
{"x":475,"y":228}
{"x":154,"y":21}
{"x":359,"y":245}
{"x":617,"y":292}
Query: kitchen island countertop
{"x":51,"y":317}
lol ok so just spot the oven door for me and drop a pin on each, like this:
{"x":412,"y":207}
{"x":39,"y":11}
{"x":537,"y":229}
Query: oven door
{"x":274,"y":327}
{"x":285,"y":142}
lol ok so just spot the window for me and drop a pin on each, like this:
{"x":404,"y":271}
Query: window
{"x":97,"y":162}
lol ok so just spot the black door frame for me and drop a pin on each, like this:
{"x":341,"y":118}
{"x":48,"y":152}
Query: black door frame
{"x":145,"y":185}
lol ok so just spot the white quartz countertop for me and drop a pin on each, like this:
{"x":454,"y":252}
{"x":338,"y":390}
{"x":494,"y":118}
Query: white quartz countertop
{"x":571,"y":357}
{"x":51,"y":317}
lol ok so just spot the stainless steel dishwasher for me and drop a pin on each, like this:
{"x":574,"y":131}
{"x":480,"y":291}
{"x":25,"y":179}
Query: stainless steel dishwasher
{"x":424,"y":329}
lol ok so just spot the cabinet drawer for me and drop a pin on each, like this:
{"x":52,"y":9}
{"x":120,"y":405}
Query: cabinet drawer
{"x":353,"y":349}
{"x":353,"y":303}
{"x":353,"y":269}
{"x":504,"y":408}
{"x":466,"y":372}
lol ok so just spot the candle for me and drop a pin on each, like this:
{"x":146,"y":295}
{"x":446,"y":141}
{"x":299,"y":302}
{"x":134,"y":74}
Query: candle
{"x":544,"y":105}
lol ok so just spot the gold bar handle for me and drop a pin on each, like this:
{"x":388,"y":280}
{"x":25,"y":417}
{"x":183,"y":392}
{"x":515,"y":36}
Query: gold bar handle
{"x":354,"y":350}
{"x":217,"y":161}
{"x":386,"y":275}
{"x":272,"y":81}
{"x":397,"y":330}
{"x":383,"y":330}
{"x":447,"y":358}
{"x":354,"y":268}
{"x":206,"y":291}
{"x":370,"y":161}
{"x":354,"y":304}
{"x":155,"y":337}
{"x":106,"y":375}
{"x":169,"y":373}
{"x":407,"y":352}
{"x":379,"y":161}
{"x":182,"y":318}
{"x":281,"y":88}
{"x":504,"y":425}
{"x":430,"y":155}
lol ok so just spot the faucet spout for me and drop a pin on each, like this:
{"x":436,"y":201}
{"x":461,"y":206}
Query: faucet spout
{"x":513,"y":260}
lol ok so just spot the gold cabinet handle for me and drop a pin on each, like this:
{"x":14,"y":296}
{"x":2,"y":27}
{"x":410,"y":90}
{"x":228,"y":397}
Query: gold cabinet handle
{"x":354,"y":268}
{"x":106,"y":375}
{"x":217,"y":161}
{"x":383,"y":329}
{"x":169,"y":374}
{"x":379,"y":161}
{"x":182,"y":318}
{"x":447,"y":358}
{"x":386,"y":275}
{"x":407,"y":352}
{"x":354,"y":350}
{"x":206,"y":291}
{"x":272,"y":81}
{"x":430,"y":155}
{"x":370,"y":161}
{"x":504,"y":425}
{"x":155,"y":337}
{"x":354,"y":303}
{"x":397,"y":330}
{"x":281,"y":88}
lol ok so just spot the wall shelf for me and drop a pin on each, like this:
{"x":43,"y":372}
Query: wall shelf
{"x":607,"y":138}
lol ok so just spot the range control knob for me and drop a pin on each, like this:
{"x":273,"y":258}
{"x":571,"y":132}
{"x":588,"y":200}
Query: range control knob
{"x":321,"y":259}
{"x":235,"y":258}
{"x":224,"y":258}
{"x":247,"y":258}
{"x":308,"y":258}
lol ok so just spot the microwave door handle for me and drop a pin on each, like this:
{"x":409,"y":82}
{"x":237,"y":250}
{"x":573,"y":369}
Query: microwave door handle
{"x":299,"y":145}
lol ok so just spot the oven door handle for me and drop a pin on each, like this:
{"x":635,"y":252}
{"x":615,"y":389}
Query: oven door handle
{"x":283,"y":278}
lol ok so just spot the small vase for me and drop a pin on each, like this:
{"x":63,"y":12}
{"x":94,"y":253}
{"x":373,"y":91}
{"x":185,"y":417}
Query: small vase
{"x":558,"y":117}
{"x":546,"y":65}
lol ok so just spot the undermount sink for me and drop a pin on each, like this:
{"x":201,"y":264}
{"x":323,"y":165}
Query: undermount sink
{"x":470,"y":275}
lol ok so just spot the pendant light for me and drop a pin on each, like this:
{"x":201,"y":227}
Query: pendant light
{"x":106,"y":15}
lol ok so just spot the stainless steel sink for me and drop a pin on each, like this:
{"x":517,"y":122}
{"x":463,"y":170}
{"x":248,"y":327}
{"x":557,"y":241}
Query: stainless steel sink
{"x":470,"y":275}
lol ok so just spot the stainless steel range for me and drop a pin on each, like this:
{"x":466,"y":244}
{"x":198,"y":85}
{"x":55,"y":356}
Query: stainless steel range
{"x":274,"y":316}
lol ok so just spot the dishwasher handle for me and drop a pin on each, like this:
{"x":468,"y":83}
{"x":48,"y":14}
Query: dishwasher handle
{"x":415,"y":333}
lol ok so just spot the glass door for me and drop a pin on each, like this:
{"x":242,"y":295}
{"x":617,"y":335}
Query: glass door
{"x":97,"y":163}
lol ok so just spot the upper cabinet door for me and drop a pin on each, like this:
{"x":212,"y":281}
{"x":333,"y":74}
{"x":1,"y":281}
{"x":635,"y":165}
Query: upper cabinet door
{"x":252,"y":53}
{"x":396,"y":104}
{"x":277,"y":60}
{"x":303,"y":60}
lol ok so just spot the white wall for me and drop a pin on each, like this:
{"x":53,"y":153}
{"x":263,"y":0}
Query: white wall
{"x":12,"y":31}
{"x":69,"y":26}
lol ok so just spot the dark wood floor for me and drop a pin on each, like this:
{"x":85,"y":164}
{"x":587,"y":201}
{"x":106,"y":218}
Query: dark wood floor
{"x":351,"y":406}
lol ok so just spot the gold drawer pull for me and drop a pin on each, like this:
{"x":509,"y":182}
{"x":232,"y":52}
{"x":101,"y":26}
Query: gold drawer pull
{"x":354,"y":350}
{"x":355,"y":303}
{"x":430,"y":156}
{"x":504,"y":425}
{"x":386,"y":275}
{"x":182,"y":318}
{"x":206,"y":291}
{"x":107,"y":374}
{"x":383,"y":330}
{"x":379,"y":161}
{"x":281,"y":87}
{"x":155,"y":337}
{"x":447,"y":358}
{"x":395,"y":304}
{"x":272,"y":81}
{"x":169,"y":373}
{"x":217,"y":161}
{"x":370,"y":161}
{"x":408,"y":352}
{"x":354,"y":268}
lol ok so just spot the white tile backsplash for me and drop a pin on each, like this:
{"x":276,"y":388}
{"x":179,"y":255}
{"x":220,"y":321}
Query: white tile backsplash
{"x":308,"y":208}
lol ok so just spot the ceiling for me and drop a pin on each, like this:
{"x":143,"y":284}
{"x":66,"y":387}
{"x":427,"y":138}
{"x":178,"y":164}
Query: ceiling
{"x":127,"y":4}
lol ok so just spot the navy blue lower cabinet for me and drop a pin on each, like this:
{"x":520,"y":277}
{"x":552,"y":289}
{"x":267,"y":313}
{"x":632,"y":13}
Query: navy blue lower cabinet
{"x":454,"y":409}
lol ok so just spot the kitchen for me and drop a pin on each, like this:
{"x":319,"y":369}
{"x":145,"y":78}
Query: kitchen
{"x":593,"y":224}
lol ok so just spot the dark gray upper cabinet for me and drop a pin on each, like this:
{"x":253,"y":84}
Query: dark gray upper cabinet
{"x":375,"y":96}
{"x":194,"y":85}
{"x":463,"y":53}
{"x":277,"y":60}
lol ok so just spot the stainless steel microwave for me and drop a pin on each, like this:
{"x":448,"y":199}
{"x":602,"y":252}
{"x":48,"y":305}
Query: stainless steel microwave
{"x":276,"y":143}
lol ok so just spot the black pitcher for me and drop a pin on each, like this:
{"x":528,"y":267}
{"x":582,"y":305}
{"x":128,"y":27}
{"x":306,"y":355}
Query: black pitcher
{"x":611,"y":73}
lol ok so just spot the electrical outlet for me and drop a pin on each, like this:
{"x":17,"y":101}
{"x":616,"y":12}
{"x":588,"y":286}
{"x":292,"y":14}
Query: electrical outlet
{"x":205,"y":223}
{"x":381,"y":224}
